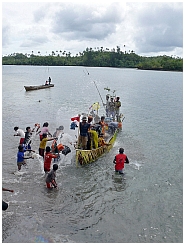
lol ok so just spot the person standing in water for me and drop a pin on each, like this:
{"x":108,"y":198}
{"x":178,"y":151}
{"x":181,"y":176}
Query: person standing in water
{"x":19,"y":132}
{"x":50,"y":179}
{"x":44,"y":130}
{"x":48,"y":156}
{"x":119,"y":161}
{"x":43,"y":143}
{"x":20,"y":156}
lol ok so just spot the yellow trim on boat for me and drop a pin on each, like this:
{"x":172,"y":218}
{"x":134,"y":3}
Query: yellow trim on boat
{"x":84,"y":157}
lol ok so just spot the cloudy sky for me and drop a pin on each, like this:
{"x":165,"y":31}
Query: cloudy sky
{"x":147,"y":28}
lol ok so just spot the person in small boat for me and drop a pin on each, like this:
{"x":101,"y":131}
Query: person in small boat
{"x":89,"y":139}
{"x":101,"y":141}
{"x":112,"y":126}
{"x":46,"y":83}
{"x":107,"y":105}
{"x":83,"y":137}
{"x":96,"y":119}
{"x":49,"y":80}
{"x":48,"y":156}
{"x":93,"y":138}
{"x":50,"y":179}
{"x":117,"y":108}
{"x":4,"y":204}
{"x":112,"y":108}
{"x":44,"y":130}
{"x":120,"y":160}
{"x":19,"y":132}
{"x":103,"y":125}
{"x":43,"y":144}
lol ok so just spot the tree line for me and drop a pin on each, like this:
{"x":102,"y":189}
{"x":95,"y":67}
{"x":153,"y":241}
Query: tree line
{"x":97,"y":58}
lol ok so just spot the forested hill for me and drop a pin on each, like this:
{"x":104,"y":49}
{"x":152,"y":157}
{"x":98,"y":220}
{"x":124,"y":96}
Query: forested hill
{"x":97,"y":58}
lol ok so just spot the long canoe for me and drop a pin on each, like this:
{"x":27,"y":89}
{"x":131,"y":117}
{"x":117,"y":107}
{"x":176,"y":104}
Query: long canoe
{"x":30,"y":88}
{"x":84,"y":157}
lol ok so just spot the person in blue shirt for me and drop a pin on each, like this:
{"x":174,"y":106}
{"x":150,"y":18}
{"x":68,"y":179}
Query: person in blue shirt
{"x":20,"y":156}
{"x":83,"y":137}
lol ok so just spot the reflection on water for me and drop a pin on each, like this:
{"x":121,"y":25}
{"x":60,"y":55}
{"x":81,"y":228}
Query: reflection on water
{"x":119,"y":182}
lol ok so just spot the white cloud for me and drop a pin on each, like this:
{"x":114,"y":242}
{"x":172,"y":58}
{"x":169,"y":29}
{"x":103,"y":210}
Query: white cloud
{"x":147,"y":28}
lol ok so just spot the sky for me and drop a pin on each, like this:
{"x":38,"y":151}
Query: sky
{"x":147,"y":28}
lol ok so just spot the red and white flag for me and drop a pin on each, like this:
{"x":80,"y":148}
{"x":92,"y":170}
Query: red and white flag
{"x":77,"y":118}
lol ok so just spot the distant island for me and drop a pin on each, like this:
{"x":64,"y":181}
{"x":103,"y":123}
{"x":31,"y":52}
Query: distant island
{"x":97,"y":58}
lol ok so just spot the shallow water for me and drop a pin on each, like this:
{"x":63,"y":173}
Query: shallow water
{"x":93,"y":204}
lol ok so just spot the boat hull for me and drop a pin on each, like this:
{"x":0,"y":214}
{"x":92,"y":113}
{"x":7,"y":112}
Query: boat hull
{"x":30,"y":88}
{"x":84,"y":157}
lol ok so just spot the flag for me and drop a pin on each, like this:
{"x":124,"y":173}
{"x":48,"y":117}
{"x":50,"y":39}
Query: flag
{"x":77,"y":118}
{"x":96,"y":106}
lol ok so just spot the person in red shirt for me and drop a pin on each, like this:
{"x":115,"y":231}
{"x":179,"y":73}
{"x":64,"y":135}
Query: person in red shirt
{"x":120,"y":160}
{"x":48,"y":158}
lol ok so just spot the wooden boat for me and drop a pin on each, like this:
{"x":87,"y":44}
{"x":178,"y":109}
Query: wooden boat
{"x":36,"y":87}
{"x":84,"y":157}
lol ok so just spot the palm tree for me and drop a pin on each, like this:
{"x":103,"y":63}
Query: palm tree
{"x":118,"y":49}
{"x":124,"y":48}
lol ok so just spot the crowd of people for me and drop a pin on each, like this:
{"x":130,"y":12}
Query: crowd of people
{"x":91,"y":135}
{"x":46,"y":152}
{"x":94,"y":134}
{"x":113,"y":107}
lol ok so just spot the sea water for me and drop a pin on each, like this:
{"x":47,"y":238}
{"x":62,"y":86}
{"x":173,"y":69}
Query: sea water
{"x":92,"y":203}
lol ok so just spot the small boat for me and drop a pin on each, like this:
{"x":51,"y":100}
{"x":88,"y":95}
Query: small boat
{"x":36,"y":87}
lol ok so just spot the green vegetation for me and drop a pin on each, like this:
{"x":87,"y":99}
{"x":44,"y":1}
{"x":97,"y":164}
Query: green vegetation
{"x":97,"y":58}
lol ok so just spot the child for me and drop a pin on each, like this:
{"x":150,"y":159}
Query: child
{"x":56,"y":149}
{"x":44,"y":130}
{"x":43,"y":144}
{"x":50,"y":179}
{"x":19,"y":132}
{"x":47,"y":159}
{"x":21,"y":157}
{"x":27,"y":139}
{"x":101,"y":141}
